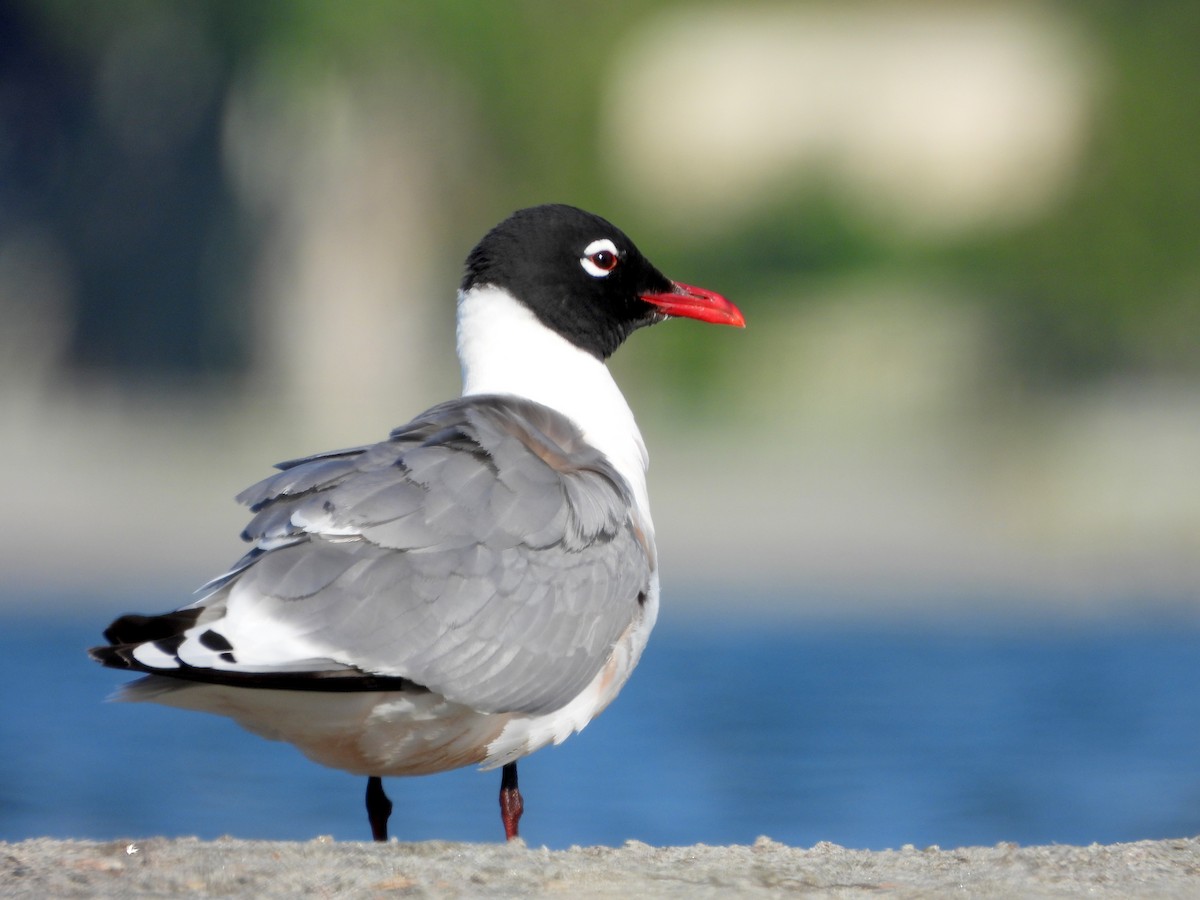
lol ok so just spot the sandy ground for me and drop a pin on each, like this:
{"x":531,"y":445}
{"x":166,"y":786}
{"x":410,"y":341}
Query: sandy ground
{"x":232,"y":868}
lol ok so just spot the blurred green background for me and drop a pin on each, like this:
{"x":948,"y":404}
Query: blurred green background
{"x":966,"y":237}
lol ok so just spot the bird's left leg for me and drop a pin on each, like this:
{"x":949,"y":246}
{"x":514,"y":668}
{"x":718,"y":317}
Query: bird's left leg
{"x":379,"y":807}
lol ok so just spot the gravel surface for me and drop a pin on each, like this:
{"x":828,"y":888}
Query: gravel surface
{"x":233,"y":868}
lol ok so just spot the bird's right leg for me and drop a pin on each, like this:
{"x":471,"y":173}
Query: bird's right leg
{"x":511,"y":804}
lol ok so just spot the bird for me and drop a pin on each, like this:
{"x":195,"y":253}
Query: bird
{"x":475,"y":587}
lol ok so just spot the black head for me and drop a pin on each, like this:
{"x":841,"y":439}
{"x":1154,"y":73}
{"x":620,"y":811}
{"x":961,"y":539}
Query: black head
{"x":583,"y":278}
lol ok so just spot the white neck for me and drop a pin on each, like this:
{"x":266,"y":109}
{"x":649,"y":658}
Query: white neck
{"x":504,"y":349}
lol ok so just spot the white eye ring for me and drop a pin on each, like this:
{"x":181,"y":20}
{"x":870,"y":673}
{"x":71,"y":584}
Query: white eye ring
{"x":600,"y":257}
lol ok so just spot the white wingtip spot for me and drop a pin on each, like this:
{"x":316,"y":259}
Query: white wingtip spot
{"x":150,"y":655}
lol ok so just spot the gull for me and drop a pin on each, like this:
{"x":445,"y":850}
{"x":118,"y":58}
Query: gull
{"x":477,"y":586}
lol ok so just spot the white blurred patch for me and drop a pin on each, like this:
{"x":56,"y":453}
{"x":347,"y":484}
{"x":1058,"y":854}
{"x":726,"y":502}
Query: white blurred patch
{"x":928,"y":118}
{"x":342,"y":176}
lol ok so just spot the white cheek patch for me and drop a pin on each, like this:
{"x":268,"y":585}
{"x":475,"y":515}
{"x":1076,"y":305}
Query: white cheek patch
{"x":603,"y":245}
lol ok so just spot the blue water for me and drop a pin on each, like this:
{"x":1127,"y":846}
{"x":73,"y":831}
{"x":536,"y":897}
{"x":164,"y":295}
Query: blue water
{"x":870,"y":737}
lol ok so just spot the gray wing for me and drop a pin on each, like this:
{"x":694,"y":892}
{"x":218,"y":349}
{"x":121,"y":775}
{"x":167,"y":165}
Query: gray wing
{"x":485,"y":551}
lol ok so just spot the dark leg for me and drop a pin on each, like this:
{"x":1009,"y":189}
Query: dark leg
{"x":511,"y":804}
{"x":379,"y":807}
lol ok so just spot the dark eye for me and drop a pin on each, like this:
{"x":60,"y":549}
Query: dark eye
{"x":600,"y":257}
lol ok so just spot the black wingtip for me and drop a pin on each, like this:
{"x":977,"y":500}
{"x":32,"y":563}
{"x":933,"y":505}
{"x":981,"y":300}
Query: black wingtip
{"x":138,"y":629}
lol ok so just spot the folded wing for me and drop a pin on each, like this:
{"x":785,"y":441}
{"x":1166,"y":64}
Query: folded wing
{"x":485,"y":552}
